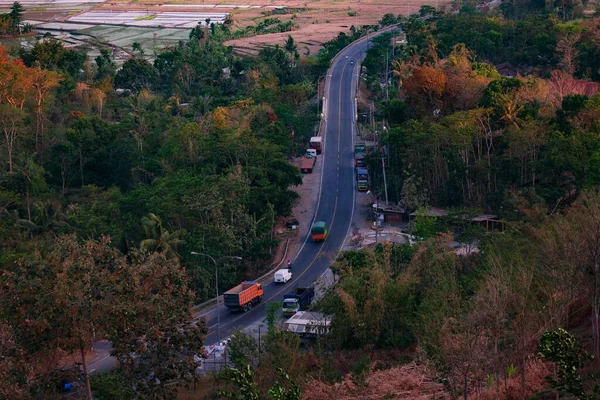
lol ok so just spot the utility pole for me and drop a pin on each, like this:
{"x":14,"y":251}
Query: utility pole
{"x":384,"y":180}
{"x":387,"y":91}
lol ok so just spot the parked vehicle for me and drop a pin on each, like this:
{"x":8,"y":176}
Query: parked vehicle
{"x":360,"y":148}
{"x":319,"y":231}
{"x":308,"y":324}
{"x":243,"y":296}
{"x":282,"y":276}
{"x":359,"y":160}
{"x":308,"y":164}
{"x":311,"y":153}
{"x":362,"y":179}
{"x":316,"y":143}
{"x":297,"y":300}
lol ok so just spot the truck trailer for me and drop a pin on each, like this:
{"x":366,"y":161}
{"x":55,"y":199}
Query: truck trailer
{"x":308,"y":163}
{"x":308,"y":324}
{"x":243,"y":296}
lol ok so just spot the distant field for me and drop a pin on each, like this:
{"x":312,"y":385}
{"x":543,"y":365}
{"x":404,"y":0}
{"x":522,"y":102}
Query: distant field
{"x":317,"y":21}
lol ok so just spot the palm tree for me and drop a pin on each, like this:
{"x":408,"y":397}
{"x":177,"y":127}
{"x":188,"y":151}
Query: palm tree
{"x":290,"y":45}
{"x":158,"y":238}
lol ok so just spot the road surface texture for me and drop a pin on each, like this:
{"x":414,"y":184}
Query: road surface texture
{"x":336,"y":201}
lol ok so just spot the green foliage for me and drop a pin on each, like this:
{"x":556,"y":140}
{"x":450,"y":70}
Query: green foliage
{"x":388,"y":19}
{"x":284,"y":388}
{"x":560,"y":347}
{"x":371,"y":306}
{"x":50,"y":54}
{"x":425,"y":225}
{"x":244,"y":380}
{"x":106,"y":66}
{"x":112,"y":386}
{"x":273,"y":309}
{"x":243,"y":349}
{"x":246,"y":387}
{"x":136,"y":74}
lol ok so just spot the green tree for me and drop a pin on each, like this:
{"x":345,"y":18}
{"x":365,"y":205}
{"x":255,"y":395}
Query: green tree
{"x":387,"y":19}
{"x":197,"y":32}
{"x":138,"y":47}
{"x":50,"y":54}
{"x":158,"y":238}
{"x":243,"y":379}
{"x":136,"y":74}
{"x":290,"y":45}
{"x":106,"y":67}
{"x":112,"y":386}
{"x":560,"y":347}
{"x":16,"y":17}
{"x":32,"y":176}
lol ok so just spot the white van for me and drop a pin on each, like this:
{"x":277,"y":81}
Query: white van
{"x":283,"y":275}
{"x":311,"y":153}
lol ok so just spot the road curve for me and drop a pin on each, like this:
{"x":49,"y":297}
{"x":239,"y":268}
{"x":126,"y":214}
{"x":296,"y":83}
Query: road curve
{"x":337,"y":195}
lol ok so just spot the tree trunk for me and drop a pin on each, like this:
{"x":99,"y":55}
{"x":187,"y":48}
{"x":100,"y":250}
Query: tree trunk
{"x":81,"y":165}
{"x":9,"y":148}
{"x":63,"y":176}
{"x":595,"y":335}
{"x":10,"y":160}
{"x":523,"y":378}
{"x":27,"y":198}
{"x":466,"y":388}
{"x":88,"y":388}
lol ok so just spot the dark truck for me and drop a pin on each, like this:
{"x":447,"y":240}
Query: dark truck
{"x":243,"y":296}
{"x":298,"y":300}
{"x":359,"y":155}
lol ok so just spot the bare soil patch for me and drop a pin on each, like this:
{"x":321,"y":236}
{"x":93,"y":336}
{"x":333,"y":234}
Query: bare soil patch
{"x":316,"y":21}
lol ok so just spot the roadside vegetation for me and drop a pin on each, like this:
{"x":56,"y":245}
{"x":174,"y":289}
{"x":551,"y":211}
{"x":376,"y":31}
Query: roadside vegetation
{"x":111,"y":178}
{"x":517,"y":317}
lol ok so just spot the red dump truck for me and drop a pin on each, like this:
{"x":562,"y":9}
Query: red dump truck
{"x":243,"y":296}
{"x":308,"y":163}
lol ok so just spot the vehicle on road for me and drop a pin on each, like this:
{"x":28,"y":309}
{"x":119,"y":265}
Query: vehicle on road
{"x":282,"y":276}
{"x":308,"y":163}
{"x":316,"y":143}
{"x":243,"y":296}
{"x":318,"y":231}
{"x":297,"y":300}
{"x":362,"y":179}
{"x":359,"y":159}
{"x":311,"y":153}
{"x":308,"y":324}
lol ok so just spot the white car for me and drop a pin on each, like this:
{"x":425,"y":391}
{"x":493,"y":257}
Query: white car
{"x":282,"y":276}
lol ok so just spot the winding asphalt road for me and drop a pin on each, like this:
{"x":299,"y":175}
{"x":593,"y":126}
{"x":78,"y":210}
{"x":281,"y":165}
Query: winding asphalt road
{"x":337,"y":195}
